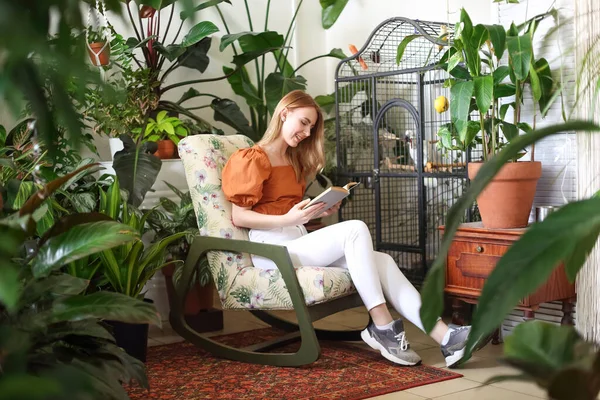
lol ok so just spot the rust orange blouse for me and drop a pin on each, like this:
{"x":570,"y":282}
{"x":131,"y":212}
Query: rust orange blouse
{"x":249,"y":180}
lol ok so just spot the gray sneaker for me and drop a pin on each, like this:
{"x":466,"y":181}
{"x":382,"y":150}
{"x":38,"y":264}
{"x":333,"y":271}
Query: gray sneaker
{"x":391,"y":343}
{"x":454,"y":350}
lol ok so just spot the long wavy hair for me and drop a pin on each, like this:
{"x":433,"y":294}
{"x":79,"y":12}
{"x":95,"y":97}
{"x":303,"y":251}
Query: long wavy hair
{"x":307,"y":158}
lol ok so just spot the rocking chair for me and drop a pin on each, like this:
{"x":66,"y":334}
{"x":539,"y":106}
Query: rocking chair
{"x":312,"y":292}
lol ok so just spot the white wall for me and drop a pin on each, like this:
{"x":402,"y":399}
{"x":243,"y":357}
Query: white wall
{"x":357,"y":22}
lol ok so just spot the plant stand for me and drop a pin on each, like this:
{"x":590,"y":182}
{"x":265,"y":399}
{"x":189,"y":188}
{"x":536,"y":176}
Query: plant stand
{"x":473,"y":255}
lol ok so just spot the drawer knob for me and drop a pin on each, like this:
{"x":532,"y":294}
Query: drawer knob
{"x":479,"y":249}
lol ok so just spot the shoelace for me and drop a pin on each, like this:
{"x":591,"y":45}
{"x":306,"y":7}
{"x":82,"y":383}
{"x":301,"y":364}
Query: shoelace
{"x":401,"y":338}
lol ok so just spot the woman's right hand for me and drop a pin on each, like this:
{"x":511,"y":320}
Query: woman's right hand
{"x":298,"y":216}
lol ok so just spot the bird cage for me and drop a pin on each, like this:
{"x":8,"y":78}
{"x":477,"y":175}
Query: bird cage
{"x":386,"y":134}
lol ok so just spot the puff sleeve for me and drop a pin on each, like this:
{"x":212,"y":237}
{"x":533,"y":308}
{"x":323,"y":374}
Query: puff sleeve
{"x":243,"y":176}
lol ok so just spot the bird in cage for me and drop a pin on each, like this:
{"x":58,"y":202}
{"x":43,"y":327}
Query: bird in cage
{"x":411,"y":140}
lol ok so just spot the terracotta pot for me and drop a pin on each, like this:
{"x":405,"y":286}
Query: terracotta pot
{"x":199,"y":298}
{"x":166,"y":149}
{"x":506,"y":201}
{"x":198,"y":309}
{"x":103,"y":55}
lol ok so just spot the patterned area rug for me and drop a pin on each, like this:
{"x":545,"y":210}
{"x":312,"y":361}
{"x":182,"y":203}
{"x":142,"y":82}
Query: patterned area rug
{"x":182,"y":371}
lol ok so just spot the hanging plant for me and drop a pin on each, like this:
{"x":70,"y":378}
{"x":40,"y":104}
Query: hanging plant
{"x":97,"y":40}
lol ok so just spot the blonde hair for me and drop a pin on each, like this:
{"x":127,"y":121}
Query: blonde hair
{"x":307,"y":158}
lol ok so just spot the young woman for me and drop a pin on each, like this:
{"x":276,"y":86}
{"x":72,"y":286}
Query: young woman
{"x":265,"y":184}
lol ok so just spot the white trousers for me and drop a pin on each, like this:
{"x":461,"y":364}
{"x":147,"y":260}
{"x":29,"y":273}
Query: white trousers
{"x":347,"y":244}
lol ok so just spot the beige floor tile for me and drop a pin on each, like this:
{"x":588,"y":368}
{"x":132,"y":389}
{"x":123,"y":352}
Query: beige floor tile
{"x":404,"y":395}
{"x":154,"y":330}
{"x":528,"y":388}
{"x":482,"y":369}
{"x":152,"y":343}
{"x":486,"y":393}
{"x":491,"y":351}
{"x":443,"y":388}
{"x":432,"y":356}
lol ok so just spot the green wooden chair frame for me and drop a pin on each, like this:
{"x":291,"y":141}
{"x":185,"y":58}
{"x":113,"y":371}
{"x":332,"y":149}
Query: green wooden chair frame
{"x":309,"y":350}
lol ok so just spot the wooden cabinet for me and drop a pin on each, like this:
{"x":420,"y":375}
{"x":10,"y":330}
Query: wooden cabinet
{"x":474,"y":253}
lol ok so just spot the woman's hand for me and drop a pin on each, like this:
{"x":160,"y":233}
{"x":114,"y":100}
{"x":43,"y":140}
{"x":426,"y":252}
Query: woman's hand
{"x":332,"y":210}
{"x":298,"y":216}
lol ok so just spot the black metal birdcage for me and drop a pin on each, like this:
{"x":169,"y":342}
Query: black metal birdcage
{"x":386,"y":127}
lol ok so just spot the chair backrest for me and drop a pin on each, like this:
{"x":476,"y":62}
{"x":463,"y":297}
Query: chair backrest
{"x":204,"y":157}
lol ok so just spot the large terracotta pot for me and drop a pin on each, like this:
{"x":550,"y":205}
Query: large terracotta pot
{"x":506,"y":201}
{"x":103,"y":54}
{"x":166,"y":149}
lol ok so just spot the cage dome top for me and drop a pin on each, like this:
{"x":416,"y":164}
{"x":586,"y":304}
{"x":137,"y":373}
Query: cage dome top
{"x":420,"y":44}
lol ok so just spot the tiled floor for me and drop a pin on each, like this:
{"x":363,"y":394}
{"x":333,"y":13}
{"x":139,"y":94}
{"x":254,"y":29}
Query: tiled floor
{"x":479,"y":369}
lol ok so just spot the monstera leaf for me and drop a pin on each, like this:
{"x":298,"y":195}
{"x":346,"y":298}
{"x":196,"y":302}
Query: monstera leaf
{"x":136,"y":168}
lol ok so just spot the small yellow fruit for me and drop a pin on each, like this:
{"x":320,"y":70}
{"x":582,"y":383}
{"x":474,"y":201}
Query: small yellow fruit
{"x":441,"y":104}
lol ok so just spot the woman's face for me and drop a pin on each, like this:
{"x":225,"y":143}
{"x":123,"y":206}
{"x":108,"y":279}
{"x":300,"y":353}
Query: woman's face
{"x":297,"y":124}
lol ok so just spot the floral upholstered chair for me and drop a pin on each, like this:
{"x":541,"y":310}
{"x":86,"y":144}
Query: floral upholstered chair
{"x":312,"y":292}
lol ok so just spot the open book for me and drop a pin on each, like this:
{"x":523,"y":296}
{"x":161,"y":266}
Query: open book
{"x":332,"y":195}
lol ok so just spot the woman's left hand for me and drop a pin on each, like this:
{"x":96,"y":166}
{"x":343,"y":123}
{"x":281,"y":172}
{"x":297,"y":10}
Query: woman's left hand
{"x":331,"y":211}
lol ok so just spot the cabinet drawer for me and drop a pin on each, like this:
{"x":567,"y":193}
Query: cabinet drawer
{"x":470,"y":263}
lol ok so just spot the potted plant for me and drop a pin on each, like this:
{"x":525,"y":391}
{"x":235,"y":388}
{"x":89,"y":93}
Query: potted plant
{"x":127,"y":268}
{"x":122,"y":109}
{"x":51,"y":336}
{"x":479,"y":80}
{"x":166,"y":131}
{"x":98,"y":46}
{"x":173,"y":218}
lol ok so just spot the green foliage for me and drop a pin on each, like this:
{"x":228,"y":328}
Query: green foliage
{"x":125,"y":107}
{"x":263,"y":92}
{"x":554,"y":357}
{"x":37,"y":71}
{"x":137,"y":168}
{"x":128,"y":267}
{"x":331,"y":11}
{"x":164,"y":127}
{"x":483,"y":83}
{"x":141,"y":90}
{"x":175,"y":218}
{"x":51,"y":339}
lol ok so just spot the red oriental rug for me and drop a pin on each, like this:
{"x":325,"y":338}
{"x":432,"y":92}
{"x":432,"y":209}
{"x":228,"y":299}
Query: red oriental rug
{"x":182,"y":371}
